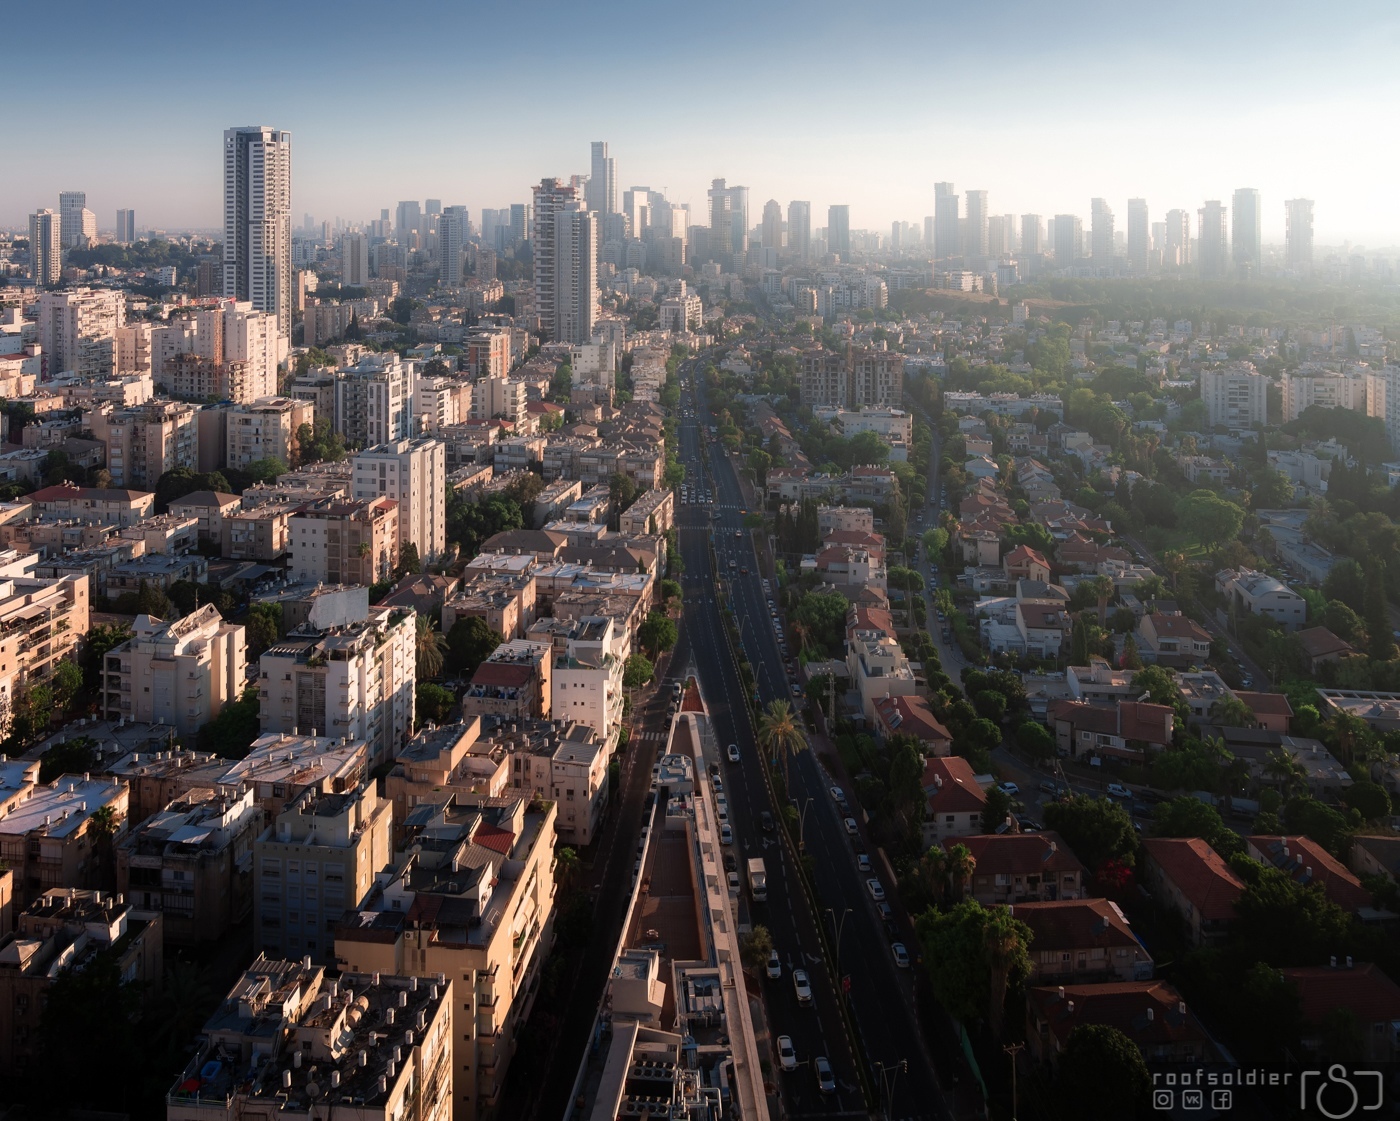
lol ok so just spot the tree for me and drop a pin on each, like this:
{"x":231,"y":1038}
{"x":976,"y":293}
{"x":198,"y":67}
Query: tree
{"x":1212,"y":519}
{"x":1096,"y":829}
{"x":1272,"y":489}
{"x":657,"y":634}
{"x":1369,"y":799}
{"x":266,"y":470}
{"x":263,"y":627}
{"x":1342,"y":621}
{"x":71,"y":757}
{"x":430,"y":648}
{"x":1131,"y":658}
{"x":101,"y":640}
{"x":67,"y":679}
{"x":103,"y":826}
{"x":622,"y":492}
{"x":1102,"y":589}
{"x":995,"y":810}
{"x":1231,"y":712}
{"x":637,"y":671}
{"x":1103,"y":1066}
{"x":756,"y":947}
{"x":469,"y":643}
{"x":990,"y":704}
{"x":230,"y":734}
{"x":1319,"y":821}
{"x":759,"y":461}
{"x":1382,"y":643}
{"x":1187,"y":817}
{"x":1286,"y":771}
{"x":409,"y":564}
{"x":1036,"y":739}
{"x":1285,"y":923}
{"x":956,"y":953}
{"x":780,"y":734}
{"x":432,"y":702}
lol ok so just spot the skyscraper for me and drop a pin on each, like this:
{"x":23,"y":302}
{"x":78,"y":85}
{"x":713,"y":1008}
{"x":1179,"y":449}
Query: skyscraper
{"x":772,"y":225}
{"x":551,"y":196}
{"x":1069,"y":239}
{"x":71,"y":205}
{"x":975,"y":234}
{"x":947,"y":229}
{"x":1247,"y":232}
{"x":1299,"y":213}
{"x":354,"y":259}
{"x":729,"y":220}
{"x":126,"y":227}
{"x":838,"y":231}
{"x":453,"y":227}
{"x":601,"y":192}
{"x":1032,"y":235}
{"x":1212,"y":240}
{"x":997,"y":245}
{"x":1101,"y":232}
{"x":407,"y":217}
{"x":1176,"y":250}
{"x":928,"y":234}
{"x":521,"y":222}
{"x":258,"y":220}
{"x":45,"y":250}
{"x":800,"y":230}
{"x":575,"y":274}
{"x":1138,"y":235}
{"x":1009,"y":226}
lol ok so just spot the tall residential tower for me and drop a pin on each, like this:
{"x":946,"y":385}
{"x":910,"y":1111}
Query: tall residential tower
{"x":1247,"y":232}
{"x":258,"y":220}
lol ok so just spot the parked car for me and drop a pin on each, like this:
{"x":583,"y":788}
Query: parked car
{"x":787,"y":1057}
{"x":1009,"y":788}
{"x":733,"y":752}
{"x":850,"y":824}
{"x":826,"y":1081}
{"x":726,"y":834}
{"x":733,"y":883}
{"x":766,"y":820}
{"x":730,"y":864}
{"x":1048,"y":787}
{"x":876,"y":889}
{"x":1118,"y":790}
{"x":863,"y":862}
{"x":802,"y":986}
{"x":775,"y":966}
{"x":838,"y":795}
{"x":901,"y":955}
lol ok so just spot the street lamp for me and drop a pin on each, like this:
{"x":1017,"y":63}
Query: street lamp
{"x":839,"y":927}
{"x":802,"y":826}
{"x":888,"y":1074}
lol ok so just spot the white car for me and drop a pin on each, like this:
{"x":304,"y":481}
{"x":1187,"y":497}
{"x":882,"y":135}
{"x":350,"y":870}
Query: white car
{"x":733,"y":883}
{"x":901,"y":955}
{"x":726,"y":834}
{"x":1118,"y":790}
{"x":1009,"y":788}
{"x":733,"y":752}
{"x":775,"y":966}
{"x":863,"y":862}
{"x":801,"y":986}
{"x":786,"y":1055}
{"x":838,"y":795}
{"x":876,"y":889}
{"x":850,"y":824}
{"x":826,"y":1081}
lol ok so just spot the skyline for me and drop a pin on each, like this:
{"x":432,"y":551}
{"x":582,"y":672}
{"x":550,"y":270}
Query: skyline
{"x":1039,"y":141}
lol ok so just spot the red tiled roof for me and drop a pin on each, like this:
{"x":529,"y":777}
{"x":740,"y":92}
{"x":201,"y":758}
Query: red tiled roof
{"x":494,"y":838}
{"x":912,"y":716}
{"x":1120,"y":1004}
{"x":1133,"y":720}
{"x":1363,"y":990}
{"x":1266,"y":704}
{"x":1319,"y":642}
{"x":1021,"y":853}
{"x":97,"y":494}
{"x":1072,"y":924}
{"x":1179,"y":626}
{"x":1308,"y":862}
{"x":1024,"y":554}
{"x":951,"y":786}
{"x":1199,"y":872}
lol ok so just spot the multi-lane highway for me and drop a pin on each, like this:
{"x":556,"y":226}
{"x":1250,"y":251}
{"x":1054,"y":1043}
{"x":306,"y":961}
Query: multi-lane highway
{"x":899,"y":1068}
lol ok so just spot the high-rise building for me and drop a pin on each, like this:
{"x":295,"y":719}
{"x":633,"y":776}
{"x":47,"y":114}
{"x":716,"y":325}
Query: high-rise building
{"x":414,"y":474}
{"x":1247,"y":233}
{"x":575,"y":274}
{"x":975,"y":230}
{"x":374,"y":400}
{"x":354,"y":259}
{"x":838,"y":231}
{"x":772,"y":225}
{"x":601,"y":192}
{"x":45,"y":249}
{"x":1236,"y":396}
{"x":800,"y":230}
{"x":71,"y":205}
{"x":258,"y":220}
{"x":729,"y":220}
{"x":1139,"y":232}
{"x":1212,"y":239}
{"x":1101,"y":232}
{"x":1032,"y":235}
{"x":408,"y":217}
{"x":947,"y":226}
{"x":551,"y":196}
{"x":520,"y":222}
{"x":432,"y":206}
{"x":998,"y":243}
{"x":78,"y":330}
{"x":1299,"y":213}
{"x":1069,"y":239}
{"x":126,"y":227}
{"x":453,"y":225}
{"x":1176,"y":250}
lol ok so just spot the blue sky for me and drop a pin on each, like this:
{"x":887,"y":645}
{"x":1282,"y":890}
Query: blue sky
{"x":1042,"y":105}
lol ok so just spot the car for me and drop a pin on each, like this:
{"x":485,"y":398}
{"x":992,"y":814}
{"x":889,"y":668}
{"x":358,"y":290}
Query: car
{"x":863,"y":861}
{"x":796,"y":689}
{"x":722,"y":812}
{"x":1118,"y":790}
{"x":733,"y":883}
{"x":770,"y":602}
{"x":1027,"y":825}
{"x":1009,"y":788}
{"x":743,"y":571}
{"x":802,"y":986}
{"x":901,"y":955}
{"x":774,"y":968}
{"x":1140,"y":808}
{"x":850,"y":824}
{"x":1048,"y":787}
{"x":738,"y":533}
{"x":886,"y":911}
{"x":733,"y":752}
{"x":787,"y":1057}
{"x":876,"y":889}
{"x":838,"y":795}
{"x":1246,"y":681}
{"x":722,"y":802}
{"x":718,"y":784}
{"x":730,"y":864}
{"x":826,"y":1080}
{"x":766,"y":820}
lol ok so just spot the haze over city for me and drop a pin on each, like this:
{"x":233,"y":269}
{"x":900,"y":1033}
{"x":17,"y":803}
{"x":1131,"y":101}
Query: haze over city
{"x":865,"y":107}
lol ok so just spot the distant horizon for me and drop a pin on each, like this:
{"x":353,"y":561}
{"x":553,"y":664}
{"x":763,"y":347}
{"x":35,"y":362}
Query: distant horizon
{"x":1089,"y":104}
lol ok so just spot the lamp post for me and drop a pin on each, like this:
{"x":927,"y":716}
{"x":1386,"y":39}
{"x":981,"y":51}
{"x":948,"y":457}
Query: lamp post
{"x":888,"y":1074}
{"x":838,"y":927}
{"x":1013,"y":1049}
{"x":802,"y":827}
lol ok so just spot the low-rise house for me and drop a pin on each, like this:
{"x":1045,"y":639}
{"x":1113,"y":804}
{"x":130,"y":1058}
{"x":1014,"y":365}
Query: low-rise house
{"x":1190,"y":877}
{"x":1023,"y":868}
{"x":1025,"y":563}
{"x":1262,"y":594}
{"x":1100,"y":683}
{"x":1376,"y":856}
{"x":1202,"y":690}
{"x":1360,"y":988}
{"x":1271,"y":711}
{"x":1126,"y":730}
{"x":93,"y":504}
{"x":1172,"y":640}
{"x":1082,"y":940}
{"x":1042,"y":627}
{"x":912,"y":716}
{"x":1321,"y":646}
{"x":953,"y":800}
{"x":1150,"y":1013}
{"x":1307,"y":862}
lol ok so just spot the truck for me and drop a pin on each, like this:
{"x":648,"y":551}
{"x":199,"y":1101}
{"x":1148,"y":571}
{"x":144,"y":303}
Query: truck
{"x":758,"y":879}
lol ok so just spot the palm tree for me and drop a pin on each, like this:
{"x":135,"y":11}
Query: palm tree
{"x":431,"y":645}
{"x":1001,"y":941}
{"x":803,"y":634}
{"x":961,"y":865}
{"x":566,"y":866}
{"x":779,"y":733}
{"x":103,"y":826}
{"x":1287,"y":771}
{"x":1102,"y":589}
{"x":1174,"y":562}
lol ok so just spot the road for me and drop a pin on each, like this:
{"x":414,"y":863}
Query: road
{"x":881,"y":996}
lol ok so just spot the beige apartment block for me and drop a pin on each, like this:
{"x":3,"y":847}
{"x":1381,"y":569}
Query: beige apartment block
{"x":335,"y":542}
{"x":447,"y":760}
{"x":47,"y":836}
{"x":414,"y":474}
{"x":78,"y":330}
{"x":265,"y":429}
{"x":262,"y":532}
{"x":96,"y":505}
{"x":280,"y":768}
{"x":42,"y":621}
{"x":145,"y":441}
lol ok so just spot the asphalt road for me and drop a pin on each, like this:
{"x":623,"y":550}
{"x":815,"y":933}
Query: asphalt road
{"x":881,"y":996}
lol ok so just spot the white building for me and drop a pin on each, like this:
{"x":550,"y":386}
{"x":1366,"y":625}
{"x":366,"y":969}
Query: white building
{"x":586,"y":683}
{"x":1236,"y":396}
{"x":1329,"y":389}
{"x":355,"y":680}
{"x":45,"y":248}
{"x":258,"y":220}
{"x":266,"y":429}
{"x":1262,"y":594}
{"x":1383,"y":400}
{"x":354,"y":259}
{"x":493,"y":397}
{"x":414,"y":474}
{"x":233,"y":337}
{"x":78,"y":330}
{"x":575,"y":274}
{"x":374,"y":400}
{"x":181,"y":673}
{"x":453,"y":228}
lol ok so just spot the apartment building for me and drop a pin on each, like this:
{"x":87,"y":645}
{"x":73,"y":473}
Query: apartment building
{"x":261,"y":533}
{"x":180,"y":673}
{"x":290,"y":1042}
{"x":337,"y":542}
{"x":877,"y":664}
{"x":1235,"y":396}
{"x":439,"y":403}
{"x":225,"y":346}
{"x":63,"y":931}
{"x":193,"y":862}
{"x":441,"y":762}
{"x":1262,"y":594}
{"x":560,"y":760}
{"x":280,"y":768}
{"x":860,"y":378}
{"x":472,"y":898}
{"x":146,"y":441}
{"x":42,"y":621}
{"x":265,"y":429}
{"x":414,"y":474}
{"x":374,"y":401}
{"x":155,"y":777}
{"x":78,"y":331}
{"x":93,"y":505}
{"x":489,"y":352}
{"x":514,"y":683}
{"x":317,"y":385}
{"x":587,"y":675}
{"x":497,"y":397}
{"x":1327,"y":389}
{"x":47,"y":837}
{"x":355,"y":681}
{"x":316,"y":859}
{"x":653,"y":513}
{"x":209,"y":508}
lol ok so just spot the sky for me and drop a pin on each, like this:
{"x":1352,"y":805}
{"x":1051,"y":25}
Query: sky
{"x":1043,"y":106}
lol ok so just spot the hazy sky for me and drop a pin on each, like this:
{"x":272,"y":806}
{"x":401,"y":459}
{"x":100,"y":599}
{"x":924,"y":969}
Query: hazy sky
{"x":1044,"y":106}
